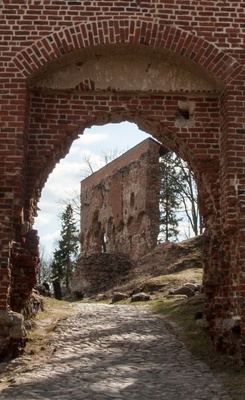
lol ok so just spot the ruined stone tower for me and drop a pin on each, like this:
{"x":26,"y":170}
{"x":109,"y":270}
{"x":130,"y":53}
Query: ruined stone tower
{"x":120,"y":203}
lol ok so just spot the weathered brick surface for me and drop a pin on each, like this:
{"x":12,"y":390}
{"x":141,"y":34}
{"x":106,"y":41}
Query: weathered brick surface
{"x":45,"y":45}
{"x":118,"y":213}
{"x":99,"y":272}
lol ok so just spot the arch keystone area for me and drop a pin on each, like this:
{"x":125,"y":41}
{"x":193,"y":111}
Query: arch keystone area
{"x":87,"y":35}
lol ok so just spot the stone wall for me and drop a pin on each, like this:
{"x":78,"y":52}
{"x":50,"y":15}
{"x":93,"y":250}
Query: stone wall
{"x":176,"y":69}
{"x":120,"y":203}
{"x":99,"y":272}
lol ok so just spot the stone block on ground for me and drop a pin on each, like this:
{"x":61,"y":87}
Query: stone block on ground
{"x":118,"y":296}
{"x":183,"y":290}
{"x":140,"y":297}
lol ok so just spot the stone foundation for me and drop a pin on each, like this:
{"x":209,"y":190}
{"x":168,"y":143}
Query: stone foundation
{"x":99,"y":272}
{"x":12,"y":334}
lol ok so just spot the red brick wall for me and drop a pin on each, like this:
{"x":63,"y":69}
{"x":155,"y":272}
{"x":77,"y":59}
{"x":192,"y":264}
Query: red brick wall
{"x":120,"y":162}
{"x":38,"y":126}
{"x":50,"y":135}
{"x":120,"y":203}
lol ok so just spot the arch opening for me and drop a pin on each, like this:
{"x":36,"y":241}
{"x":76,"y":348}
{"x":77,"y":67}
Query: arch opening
{"x":64,"y":174}
{"x":171,"y":80}
{"x":183,"y":116}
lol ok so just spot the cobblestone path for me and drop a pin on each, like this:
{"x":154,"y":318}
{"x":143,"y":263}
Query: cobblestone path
{"x":106,"y":352}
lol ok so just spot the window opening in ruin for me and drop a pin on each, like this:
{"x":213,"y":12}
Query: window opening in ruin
{"x":95,"y":217}
{"x":184,"y":113}
{"x":132,"y":200}
{"x":103,"y":248}
{"x":130,"y":221}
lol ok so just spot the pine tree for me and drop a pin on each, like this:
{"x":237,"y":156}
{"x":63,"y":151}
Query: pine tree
{"x":64,"y":257}
{"x":169,"y":199}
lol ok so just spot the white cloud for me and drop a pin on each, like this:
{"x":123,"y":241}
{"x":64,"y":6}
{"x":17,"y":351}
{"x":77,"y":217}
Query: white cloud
{"x":43,"y":218}
{"x":89,"y":137}
{"x":49,"y":241}
{"x":52,"y":236}
{"x":81,"y":145}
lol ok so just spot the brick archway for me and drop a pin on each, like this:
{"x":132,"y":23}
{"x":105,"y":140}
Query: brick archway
{"x":146,"y":33}
{"x":39,"y":125}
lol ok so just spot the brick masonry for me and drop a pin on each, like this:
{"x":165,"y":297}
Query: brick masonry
{"x":118,"y":213}
{"x":67,"y":65}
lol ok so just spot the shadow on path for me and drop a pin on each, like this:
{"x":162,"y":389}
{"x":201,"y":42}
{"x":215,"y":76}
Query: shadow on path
{"x":116,"y":352}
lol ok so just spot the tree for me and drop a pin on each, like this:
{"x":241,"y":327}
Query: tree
{"x":74,"y":199}
{"x":64,"y":257}
{"x":189,"y":195}
{"x":169,"y":199}
{"x":44,"y":266}
{"x":90,"y":166}
{"x":178,"y":195}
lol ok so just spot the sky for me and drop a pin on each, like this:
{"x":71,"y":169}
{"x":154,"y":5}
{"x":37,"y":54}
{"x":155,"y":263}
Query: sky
{"x":66,"y":176}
